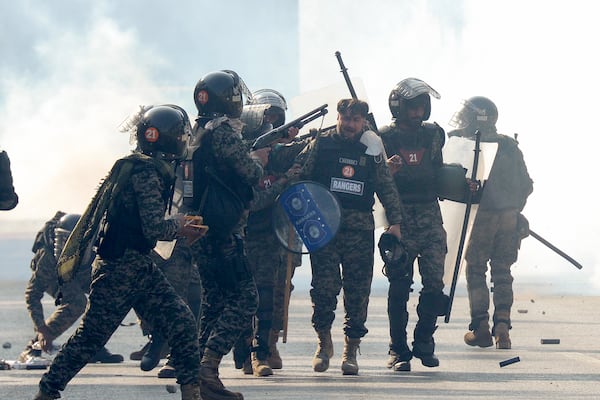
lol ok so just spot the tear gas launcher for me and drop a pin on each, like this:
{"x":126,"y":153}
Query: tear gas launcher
{"x":281,"y":132}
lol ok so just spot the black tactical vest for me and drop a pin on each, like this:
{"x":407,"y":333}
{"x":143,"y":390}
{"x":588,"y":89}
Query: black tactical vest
{"x":416,"y":179}
{"x":122,"y":228}
{"x":347,"y":171}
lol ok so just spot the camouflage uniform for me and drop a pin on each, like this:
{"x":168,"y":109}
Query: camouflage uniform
{"x":353,"y":245}
{"x":181,"y":272}
{"x":266,"y":256}
{"x":495,"y":235}
{"x":229,"y":296}
{"x":44,"y":279}
{"x":123,"y":277}
{"x":423,"y":236}
{"x":281,"y":156}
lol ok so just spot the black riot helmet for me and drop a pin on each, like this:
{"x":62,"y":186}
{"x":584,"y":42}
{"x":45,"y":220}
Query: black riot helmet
{"x":163,"y":131}
{"x":476,"y":113}
{"x":394,"y":255}
{"x":277,"y":104}
{"x":220,"y":93}
{"x":63,"y":229}
{"x":408,"y":93}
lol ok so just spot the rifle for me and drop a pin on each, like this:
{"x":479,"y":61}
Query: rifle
{"x":463,"y":233}
{"x":344,"y":72}
{"x":282,"y":131}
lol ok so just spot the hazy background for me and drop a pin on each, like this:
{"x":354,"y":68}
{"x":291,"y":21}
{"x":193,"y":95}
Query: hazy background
{"x":71,"y":71}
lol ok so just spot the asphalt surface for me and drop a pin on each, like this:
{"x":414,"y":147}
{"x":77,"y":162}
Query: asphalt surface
{"x":568,"y":370}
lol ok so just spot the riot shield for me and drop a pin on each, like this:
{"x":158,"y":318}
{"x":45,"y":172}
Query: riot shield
{"x":306,"y":217}
{"x":459,"y":150}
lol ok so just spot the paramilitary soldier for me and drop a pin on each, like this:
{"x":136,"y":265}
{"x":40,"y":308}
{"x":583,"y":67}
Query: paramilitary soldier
{"x":415,"y":151}
{"x":229,"y":296}
{"x":177,"y":266}
{"x":129,"y":210}
{"x":262,"y":113}
{"x":498,"y":228}
{"x":350,"y":161}
{"x":47,"y":246}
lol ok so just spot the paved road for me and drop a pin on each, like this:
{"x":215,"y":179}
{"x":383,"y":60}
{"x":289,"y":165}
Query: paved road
{"x":569,"y":370}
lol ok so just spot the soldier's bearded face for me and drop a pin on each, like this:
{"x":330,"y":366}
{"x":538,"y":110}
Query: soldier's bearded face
{"x":350,"y":125}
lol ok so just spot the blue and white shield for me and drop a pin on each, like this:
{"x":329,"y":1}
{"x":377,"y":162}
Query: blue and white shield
{"x":306,"y":217}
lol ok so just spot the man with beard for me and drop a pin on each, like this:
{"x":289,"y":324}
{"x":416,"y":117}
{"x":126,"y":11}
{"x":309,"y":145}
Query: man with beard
{"x":415,"y":148}
{"x":349,"y":160}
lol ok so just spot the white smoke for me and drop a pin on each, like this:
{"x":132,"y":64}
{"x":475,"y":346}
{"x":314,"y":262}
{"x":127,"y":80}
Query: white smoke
{"x":534,"y":59}
{"x":61,"y":130}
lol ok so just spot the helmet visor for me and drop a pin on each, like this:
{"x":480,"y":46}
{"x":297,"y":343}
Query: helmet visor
{"x":412,"y":87}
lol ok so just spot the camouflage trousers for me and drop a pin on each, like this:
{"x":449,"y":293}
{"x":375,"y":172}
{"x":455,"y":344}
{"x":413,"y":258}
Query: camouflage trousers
{"x":229,"y":295}
{"x":424,"y":238}
{"x":494,"y":239}
{"x":72,"y":304}
{"x":266,"y":263}
{"x":182,"y":273}
{"x":353,"y":250}
{"x":132,"y":281}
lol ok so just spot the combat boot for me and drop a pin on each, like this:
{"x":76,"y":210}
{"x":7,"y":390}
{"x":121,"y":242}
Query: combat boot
{"x":138,"y":354}
{"x":399,"y":361}
{"x":260,"y":366}
{"x":168,"y":371}
{"x":156,"y":351}
{"x":424,"y":344}
{"x":190,"y":391}
{"x":320,"y":362}
{"x":260,"y":353}
{"x":211,"y":387}
{"x":274,"y":357}
{"x":480,"y":336}
{"x":501,"y":335}
{"x":247,"y":366}
{"x":349,"y":362}
{"x":104,"y":356}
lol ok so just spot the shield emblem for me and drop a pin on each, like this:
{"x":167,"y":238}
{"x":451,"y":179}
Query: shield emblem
{"x":306,"y":217}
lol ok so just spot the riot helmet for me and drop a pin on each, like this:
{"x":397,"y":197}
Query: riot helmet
{"x":394,"y":255}
{"x":220,"y":93}
{"x":476,"y":113}
{"x":276,"y":112}
{"x":163,"y":131}
{"x":408,"y":93}
{"x":63,"y":229}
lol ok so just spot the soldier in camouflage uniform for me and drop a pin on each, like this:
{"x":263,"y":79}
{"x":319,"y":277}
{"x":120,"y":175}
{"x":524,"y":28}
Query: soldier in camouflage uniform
{"x":350,"y":161}
{"x":414,"y":149}
{"x":496,"y":233}
{"x":47,"y":247}
{"x":182,"y":273}
{"x":229,"y":295}
{"x":256,"y":352}
{"x":133,"y":198}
